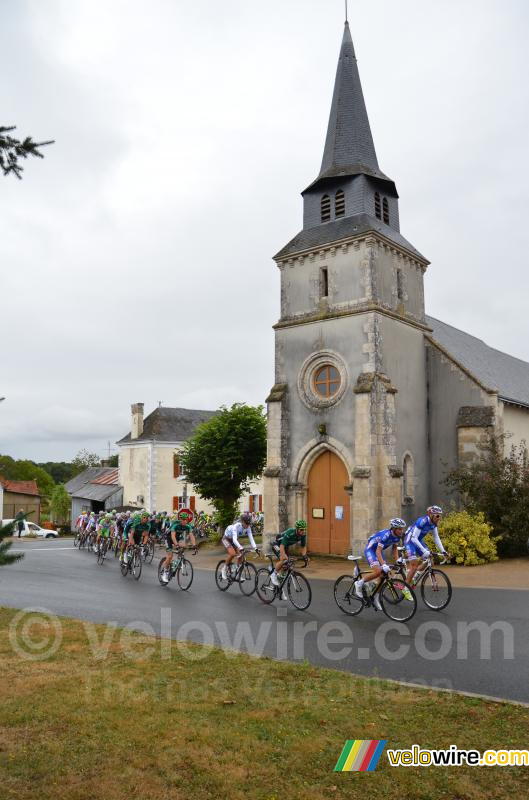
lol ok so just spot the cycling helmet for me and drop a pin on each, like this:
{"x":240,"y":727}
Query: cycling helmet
{"x":246,"y":518}
{"x":434,"y":510}
{"x":301,"y":525}
{"x":397,"y":522}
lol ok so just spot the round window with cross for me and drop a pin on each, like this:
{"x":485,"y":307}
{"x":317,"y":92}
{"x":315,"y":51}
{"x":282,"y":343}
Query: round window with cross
{"x":326,"y":381}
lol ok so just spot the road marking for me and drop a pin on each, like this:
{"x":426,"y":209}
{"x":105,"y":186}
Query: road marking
{"x":45,"y":549}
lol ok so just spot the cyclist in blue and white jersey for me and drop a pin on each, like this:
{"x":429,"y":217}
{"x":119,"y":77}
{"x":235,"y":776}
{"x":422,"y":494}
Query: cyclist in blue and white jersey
{"x":414,"y":539}
{"x":230,"y":540}
{"x":373,"y":554}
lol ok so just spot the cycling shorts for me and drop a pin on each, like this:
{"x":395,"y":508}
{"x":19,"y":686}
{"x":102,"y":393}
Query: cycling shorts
{"x":370,"y":554}
{"x":228,"y":543}
{"x":169,"y":540}
{"x":412,"y":551}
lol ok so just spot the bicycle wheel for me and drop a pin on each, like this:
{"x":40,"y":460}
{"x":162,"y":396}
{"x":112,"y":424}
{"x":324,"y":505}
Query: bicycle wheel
{"x":394,"y":602}
{"x":299,"y":591}
{"x":76,"y":539}
{"x":248,"y":579}
{"x":222,"y":583}
{"x":345,"y":597}
{"x":150,"y":553}
{"x":136,"y":565}
{"x":266,"y":591}
{"x":436,"y":589}
{"x":124,"y":566}
{"x":101,"y":554}
{"x":184,"y":574}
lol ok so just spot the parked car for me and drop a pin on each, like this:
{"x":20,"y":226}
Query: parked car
{"x":31,"y":528}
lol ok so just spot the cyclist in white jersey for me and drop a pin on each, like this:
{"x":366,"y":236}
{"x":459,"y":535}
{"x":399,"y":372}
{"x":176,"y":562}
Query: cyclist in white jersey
{"x":230,"y":540}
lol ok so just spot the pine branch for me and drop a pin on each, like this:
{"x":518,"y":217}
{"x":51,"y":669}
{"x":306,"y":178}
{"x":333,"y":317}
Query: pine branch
{"x":12,"y":150}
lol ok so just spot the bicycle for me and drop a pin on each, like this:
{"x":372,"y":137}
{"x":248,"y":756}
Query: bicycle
{"x":133,"y":563}
{"x":395,"y":604}
{"x":147,"y":550}
{"x":102,"y":549}
{"x":436,"y":589}
{"x":296,"y":585}
{"x":181,"y":567}
{"x":243,"y":573}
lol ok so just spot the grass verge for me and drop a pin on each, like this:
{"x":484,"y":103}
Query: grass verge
{"x":157,"y":719}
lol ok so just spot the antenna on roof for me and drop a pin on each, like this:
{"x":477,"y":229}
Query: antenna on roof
{"x":347,"y":10}
{"x":160,"y":403}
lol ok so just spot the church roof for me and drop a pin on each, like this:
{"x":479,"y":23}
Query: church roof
{"x":170,"y":425}
{"x":344,"y":228}
{"x":494,"y":369}
{"x":349,"y":146}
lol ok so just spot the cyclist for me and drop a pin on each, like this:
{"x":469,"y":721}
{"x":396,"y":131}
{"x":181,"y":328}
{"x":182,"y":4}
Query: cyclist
{"x":413,"y":541}
{"x":234,"y":548}
{"x":283,"y":541}
{"x":138,"y":532}
{"x":103,"y":529}
{"x":173,"y":538}
{"x":373,"y":554}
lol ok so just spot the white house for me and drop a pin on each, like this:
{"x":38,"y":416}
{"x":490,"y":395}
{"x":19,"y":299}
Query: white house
{"x":149,"y":463}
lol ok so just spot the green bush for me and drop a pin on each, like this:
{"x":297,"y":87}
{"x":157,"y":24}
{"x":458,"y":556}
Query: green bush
{"x":468,"y":538}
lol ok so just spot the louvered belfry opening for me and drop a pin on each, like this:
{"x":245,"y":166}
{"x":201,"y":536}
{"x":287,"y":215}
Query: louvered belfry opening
{"x":385,"y":206}
{"x":325,"y":208}
{"x":339,"y":204}
{"x":378,"y":206}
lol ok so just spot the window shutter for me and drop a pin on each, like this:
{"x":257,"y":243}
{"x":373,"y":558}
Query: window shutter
{"x":176,"y":466}
{"x":175,"y":503}
{"x":260,"y":502}
{"x":192,"y":502}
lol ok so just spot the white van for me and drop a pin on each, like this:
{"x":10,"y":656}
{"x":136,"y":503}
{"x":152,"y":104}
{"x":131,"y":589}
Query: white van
{"x":31,"y":528}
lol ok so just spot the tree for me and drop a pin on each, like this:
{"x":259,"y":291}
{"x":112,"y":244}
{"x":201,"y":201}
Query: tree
{"x":113,"y":461}
{"x":5,"y":556}
{"x":224,"y":454}
{"x":60,"y":503}
{"x":60,"y":471}
{"x":498,"y":485}
{"x":12,"y":150}
{"x":24,"y":470}
{"x":84,"y":460}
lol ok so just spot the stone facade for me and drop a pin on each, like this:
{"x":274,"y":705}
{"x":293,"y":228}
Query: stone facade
{"x":402,"y":408}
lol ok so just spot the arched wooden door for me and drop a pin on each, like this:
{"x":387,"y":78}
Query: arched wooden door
{"x":328,"y":506}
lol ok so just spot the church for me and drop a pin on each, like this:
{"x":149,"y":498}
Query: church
{"x":373,"y":400}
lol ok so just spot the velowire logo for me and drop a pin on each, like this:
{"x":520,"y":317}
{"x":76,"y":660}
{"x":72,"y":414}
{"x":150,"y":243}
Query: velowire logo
{"x":360,"y":755}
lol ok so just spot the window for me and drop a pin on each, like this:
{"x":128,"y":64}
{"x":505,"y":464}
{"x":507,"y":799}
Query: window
{"x":400,"y":286}
{"x":324,"y":282}
{"x":378,"y":207}
{"x":385,"y":206}
{"x":184,"y":502}
{"x":325,"y":208}
{"x":327,"y":381}
{"x":339,"y":204}
{"x":255,"y":503}
{"x":407,"y":479}
{"x":177,"y":471}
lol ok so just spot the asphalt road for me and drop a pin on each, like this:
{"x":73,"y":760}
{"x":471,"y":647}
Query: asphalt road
{"x":434,"y":648}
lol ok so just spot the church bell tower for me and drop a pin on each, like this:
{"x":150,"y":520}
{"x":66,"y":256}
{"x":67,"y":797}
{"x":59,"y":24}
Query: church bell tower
{"x":347,"y":413}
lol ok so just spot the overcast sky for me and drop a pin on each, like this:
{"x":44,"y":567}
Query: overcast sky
{"x":135,"y":260}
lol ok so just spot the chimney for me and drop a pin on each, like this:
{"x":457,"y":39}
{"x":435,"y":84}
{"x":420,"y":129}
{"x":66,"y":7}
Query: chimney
{"x":137,"y":420}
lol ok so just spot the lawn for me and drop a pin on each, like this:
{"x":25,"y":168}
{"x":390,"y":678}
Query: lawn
{"x":153,"y":720}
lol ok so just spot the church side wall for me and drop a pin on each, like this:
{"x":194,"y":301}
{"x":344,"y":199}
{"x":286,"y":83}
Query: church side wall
{"x":515,"y":422}
{"x":403,"y":361}
{"x":449,"y":388}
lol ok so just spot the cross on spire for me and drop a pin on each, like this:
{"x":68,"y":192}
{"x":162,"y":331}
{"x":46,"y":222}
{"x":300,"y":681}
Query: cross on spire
{"x":347,"y":10}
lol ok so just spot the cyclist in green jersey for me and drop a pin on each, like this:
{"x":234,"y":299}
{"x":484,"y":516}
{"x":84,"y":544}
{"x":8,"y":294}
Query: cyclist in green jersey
{"x":283,"y":541}
{"x":176,"y":537}
{"x":138,"y":532}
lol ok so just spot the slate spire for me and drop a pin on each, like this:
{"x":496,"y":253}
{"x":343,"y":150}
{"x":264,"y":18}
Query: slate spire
{"x":349,"y":141}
